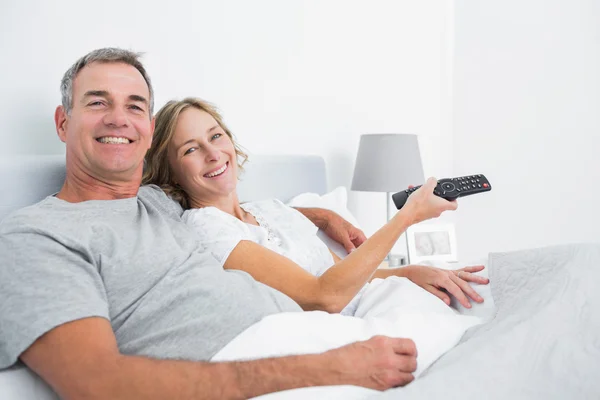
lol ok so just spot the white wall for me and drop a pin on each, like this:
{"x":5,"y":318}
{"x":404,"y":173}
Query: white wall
{"x":527,"y":114}
{"x":290,"y":77}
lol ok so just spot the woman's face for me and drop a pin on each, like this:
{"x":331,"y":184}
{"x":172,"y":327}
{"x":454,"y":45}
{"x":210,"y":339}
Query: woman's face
{"x":202,"y":157}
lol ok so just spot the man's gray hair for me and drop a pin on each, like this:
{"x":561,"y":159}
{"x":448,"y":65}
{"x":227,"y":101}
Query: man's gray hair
{"x":106,"y":55}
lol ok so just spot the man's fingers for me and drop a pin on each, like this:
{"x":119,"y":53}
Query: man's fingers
{"x":349,"y":246}
{"x":404,"y":346}
{"x":438,"y":293}
{"x":359,"y":238}
{"x":405,"y":363}
{"x":403,"y":378}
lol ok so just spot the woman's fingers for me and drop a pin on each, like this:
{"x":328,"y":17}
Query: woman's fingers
{"x":469,"y":277}
{"x":451,"y":285}
{"x":438,"y":293}
{"x":466,"y":274}
{"x":474,"y":268}
{"x":464,"y":287}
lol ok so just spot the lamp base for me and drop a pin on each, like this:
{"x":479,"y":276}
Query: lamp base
{"x":395,"y":260}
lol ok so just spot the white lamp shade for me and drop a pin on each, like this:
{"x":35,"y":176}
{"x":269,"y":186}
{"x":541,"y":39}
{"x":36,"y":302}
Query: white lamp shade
{"x":387,"y":163}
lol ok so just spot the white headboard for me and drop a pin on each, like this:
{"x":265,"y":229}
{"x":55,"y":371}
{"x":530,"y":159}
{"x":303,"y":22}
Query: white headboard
{"x":282,"y":177}
{"x":26,"y":180}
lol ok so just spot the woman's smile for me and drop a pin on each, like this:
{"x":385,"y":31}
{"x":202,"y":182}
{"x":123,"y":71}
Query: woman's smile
{"x":217,"y":172}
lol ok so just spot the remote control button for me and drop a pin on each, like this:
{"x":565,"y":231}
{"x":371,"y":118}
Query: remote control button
{"x":479,"y":185}
{"x":448,"y":186}
{"x":458,"y":190}
{"x":485,"y":185}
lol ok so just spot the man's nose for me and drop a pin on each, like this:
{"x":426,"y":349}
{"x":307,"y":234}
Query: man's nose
{"x":117,"y":117}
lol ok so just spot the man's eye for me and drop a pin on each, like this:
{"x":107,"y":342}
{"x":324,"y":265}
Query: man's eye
{"x":188,"y":151}
{"x":137,"y":108}
{"x":95,"y":103}
{"x":216,"y":136}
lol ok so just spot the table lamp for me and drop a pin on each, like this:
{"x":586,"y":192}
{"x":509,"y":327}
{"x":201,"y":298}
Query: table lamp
{"x":388,"y":163}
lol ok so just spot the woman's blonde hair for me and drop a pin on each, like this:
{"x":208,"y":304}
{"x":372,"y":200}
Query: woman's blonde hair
{"x":157,"y":170}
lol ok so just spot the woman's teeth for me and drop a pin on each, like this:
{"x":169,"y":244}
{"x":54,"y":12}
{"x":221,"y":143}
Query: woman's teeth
{"x":113,"y":140}
{"x":217,"y":172}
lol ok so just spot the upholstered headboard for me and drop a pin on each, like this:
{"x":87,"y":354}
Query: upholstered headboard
{"x":28,"y":179}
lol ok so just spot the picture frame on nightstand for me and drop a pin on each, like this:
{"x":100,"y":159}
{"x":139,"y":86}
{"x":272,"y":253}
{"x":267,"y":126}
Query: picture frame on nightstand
{"x":432,"y":242}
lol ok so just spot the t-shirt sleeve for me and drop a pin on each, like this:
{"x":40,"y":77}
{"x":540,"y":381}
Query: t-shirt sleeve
{"x":217,"y":231}
{"x":43,"y":284}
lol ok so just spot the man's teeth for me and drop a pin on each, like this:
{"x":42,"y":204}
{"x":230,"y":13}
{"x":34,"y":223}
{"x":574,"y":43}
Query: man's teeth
{"x":217,"y":172}
{"x":114,"y":140}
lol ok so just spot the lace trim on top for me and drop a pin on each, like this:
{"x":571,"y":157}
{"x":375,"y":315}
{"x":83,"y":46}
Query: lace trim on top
{"x":262,"y":222}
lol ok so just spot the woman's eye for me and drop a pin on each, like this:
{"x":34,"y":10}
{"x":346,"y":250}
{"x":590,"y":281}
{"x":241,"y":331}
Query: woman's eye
{"x":188,"y":151}
{"x":216,"y":136}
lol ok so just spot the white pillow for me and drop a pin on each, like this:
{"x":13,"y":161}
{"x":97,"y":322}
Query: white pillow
{"x":336,"y":201}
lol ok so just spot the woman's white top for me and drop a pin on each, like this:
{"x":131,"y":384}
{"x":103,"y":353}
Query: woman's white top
{"x":281,"y":229}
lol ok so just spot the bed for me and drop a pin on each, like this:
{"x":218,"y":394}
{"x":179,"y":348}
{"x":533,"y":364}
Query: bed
{"x":27,"y":179}
{"x":541,"y":338}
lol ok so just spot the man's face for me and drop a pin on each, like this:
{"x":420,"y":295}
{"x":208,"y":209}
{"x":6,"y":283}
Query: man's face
{"x":109,"y":129}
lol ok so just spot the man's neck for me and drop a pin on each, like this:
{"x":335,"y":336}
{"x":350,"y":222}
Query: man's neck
{"x":77,"y":189}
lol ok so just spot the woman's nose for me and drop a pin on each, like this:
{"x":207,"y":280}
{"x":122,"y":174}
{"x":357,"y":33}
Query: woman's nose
{"x":212,"y":153}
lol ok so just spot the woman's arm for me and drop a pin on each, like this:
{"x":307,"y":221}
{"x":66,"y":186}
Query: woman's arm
{"x":440,"y":282}
{"x":333,"y":290}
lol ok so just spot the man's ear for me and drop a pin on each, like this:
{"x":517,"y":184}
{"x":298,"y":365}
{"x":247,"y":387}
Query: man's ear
{"x":60,"y":120}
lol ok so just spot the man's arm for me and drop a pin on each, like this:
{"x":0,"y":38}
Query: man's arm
{"x":80,"y":359}
{"x":335,"y":227}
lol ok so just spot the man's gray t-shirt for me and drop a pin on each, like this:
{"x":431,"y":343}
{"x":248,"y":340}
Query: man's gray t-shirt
{"x":131,"y":261}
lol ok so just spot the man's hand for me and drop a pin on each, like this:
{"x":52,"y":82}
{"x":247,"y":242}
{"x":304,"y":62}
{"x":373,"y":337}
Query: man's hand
{"x":343,"y":232}
{"x":335,"y":227}
{"x":439,"y":281}
{"x":379,"y":363}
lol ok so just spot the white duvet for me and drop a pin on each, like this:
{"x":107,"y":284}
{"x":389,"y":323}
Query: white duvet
{"x":393,"y":307}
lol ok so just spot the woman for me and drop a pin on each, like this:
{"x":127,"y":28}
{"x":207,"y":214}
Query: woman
{"x":195,"y":160}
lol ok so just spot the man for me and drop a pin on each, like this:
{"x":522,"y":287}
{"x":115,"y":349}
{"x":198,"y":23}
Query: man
{"x":104,"y":293}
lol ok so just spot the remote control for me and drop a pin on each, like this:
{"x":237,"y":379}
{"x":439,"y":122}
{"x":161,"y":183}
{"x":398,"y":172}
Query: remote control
{"x":449,"y":189}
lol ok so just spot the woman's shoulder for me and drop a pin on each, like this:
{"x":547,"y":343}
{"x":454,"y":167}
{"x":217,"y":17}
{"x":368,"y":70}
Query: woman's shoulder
{"x":266,"y":205}
{"x":279,"y":214}
{"x":211,"y":218}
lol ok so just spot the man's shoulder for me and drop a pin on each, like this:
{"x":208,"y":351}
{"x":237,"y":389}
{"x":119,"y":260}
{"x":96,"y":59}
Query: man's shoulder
{"x":156,"y":196}
{"x":29,"y":216}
